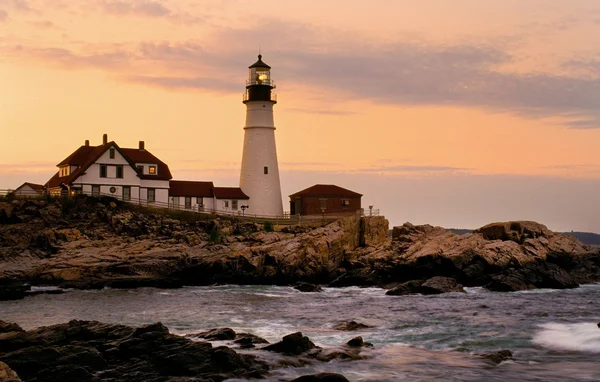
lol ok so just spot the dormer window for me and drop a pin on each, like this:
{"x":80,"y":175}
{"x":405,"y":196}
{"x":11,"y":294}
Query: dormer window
{"x":64,"y":171}
{"x":152,"y":170}
{"x":111,"y":153}
{"x":140,"y":169}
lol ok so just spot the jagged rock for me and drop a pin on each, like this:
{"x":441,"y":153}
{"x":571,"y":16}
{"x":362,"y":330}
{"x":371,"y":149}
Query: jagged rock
{"x":439,"y":284}
{"x":6,"y":327}
{"x":219,"y":334}
{"x":409,"y":287}
{"x":293,"y":344}
{"x":89,"y":350}
{"x":306,"y":287}
{"x":13,"y":291}
{"x":358,"y":342}
{"x":7,"y":374}
{"x":322,"y":377}
{"x":499,"y":356}
{"x":247,"y":340}
{"x":350,"y":326}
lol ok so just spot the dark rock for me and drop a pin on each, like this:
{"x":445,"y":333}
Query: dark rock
{"x":306,"y":287}
{"x":350,"y":326}
{"x":531,"y":276}
{"x":247,"y":340}
{"x":6,"y":327}
{"x":86,"y":351}
{"x":13,"y":291}
{"x":599,"y":324}
{"x":219,"y":334}
{"x":409,"y":287}
{"x":439,"y":284}
{"x":293,"y":344}
{"x":358,"y":342}
{"x":322,"y":377}
{"x":499,"y":356}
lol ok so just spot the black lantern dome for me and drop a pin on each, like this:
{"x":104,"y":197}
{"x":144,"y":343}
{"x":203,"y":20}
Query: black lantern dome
{"x":259,"y":85}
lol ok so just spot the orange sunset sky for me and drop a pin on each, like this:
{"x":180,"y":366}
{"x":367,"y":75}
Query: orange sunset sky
{"x":453,"y":113}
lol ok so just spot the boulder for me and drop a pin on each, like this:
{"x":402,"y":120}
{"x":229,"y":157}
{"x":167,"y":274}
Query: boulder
{"x":406,"y":288}
{"x":358,"y":342}
{"x":350,"y":326}
{"x":292,"y":344}
{"x":439,"y":284}
{"x":306,"y":287}
{"x":13,"y":291}
{"x":6,"y":327}
{"x":247,"y":340}
{"x":220,"y":334}
{"x":322,"y":377}
{"x":499,"y":356}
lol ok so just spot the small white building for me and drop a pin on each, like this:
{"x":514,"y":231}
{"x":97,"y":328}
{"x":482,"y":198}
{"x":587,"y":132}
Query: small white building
{"x":107,"y":169}
{"x":191,"y":195}
{"x":230,"y":199}
{"x":28,"y":190}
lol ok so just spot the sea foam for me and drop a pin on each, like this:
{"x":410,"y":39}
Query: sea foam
{"x":584,"y":337}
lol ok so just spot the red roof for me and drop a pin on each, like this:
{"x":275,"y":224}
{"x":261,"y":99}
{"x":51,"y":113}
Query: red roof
{"x":326,"y":190}
{"x":230,"y":193}
{"x":145,"y":156}
{"x":190,"y":188}
{"x":85,"y":156}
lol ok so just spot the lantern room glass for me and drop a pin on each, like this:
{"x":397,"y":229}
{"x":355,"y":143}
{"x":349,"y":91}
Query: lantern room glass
{"x":259,"y":76}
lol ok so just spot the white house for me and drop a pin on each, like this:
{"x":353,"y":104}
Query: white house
{"x":108,"y":169}
{"x":137,"y":175}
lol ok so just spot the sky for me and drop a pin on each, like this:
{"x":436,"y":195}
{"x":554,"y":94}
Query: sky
{"x":451,"y":113}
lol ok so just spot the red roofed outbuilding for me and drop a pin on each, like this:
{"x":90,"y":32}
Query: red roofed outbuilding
{"x":326,"y":199}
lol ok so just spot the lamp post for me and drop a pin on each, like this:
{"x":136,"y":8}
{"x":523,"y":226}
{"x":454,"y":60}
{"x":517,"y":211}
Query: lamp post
{"x":244,"y":209}
{"x":370,"y":210}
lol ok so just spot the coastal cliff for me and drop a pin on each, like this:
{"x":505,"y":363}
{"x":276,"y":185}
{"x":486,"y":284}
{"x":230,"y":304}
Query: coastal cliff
{"x":95,"y":243}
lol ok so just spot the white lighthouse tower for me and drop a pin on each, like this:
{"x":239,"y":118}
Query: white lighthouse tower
{"x":259,"y":178}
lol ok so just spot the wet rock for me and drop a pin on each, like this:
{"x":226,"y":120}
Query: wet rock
{"x":531,"y":276}
{"x":6,"y":327}
{"x":219,"y":334}
{"x":13,"y":291}
{"x":293,"y":344}
{"x":499,"y":356}
{"x":350,"y":326}
{"x":306,"y":287}
{"x":599,"y":324}
{"x":88,"y":350}
{"x":409,"y":287}
{"x":247,"y":340}
{"x":322,"y":377}
{"x":439,"y":284}
{"x":358,"y":342}
{"x":7,"y":374}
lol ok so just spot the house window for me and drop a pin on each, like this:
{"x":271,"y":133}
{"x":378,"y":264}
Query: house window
{"x":234,"y":205}
{"x":199,"y":201}
{"x":95,"y":190}
{"x":151,"y":195}
{"x":120,"y":172}
{"x":345,"y":202}
{"x":226,"y":203}
{"x":111,"y":153}
{"x":102,"y":171}
{"x":188,"y":202}
{"x":266,"y":170}
{"x":323,"y":203}
{"x":152,"y":170}
{"x":140,"y":169}
{"x":126,"y":193}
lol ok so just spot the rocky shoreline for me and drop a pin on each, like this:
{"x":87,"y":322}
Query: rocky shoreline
{"x":89,"y":243}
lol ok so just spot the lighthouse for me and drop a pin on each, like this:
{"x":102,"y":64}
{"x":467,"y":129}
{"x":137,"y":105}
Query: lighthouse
{"x":259,"y":177}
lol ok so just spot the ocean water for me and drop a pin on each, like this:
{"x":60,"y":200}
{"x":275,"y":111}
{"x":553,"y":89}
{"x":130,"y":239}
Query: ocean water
{"x":553,"y":334}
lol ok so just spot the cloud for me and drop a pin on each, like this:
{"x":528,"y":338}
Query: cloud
{"x":27,"y":168}
{"x":139,"y":8}
{"x":401,"y":72}
{"x":43,"y":24}
{"x":412,"y":169}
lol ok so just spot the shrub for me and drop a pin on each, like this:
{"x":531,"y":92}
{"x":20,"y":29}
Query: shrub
{"x":215,"y":235}
{"x":268,"y":226}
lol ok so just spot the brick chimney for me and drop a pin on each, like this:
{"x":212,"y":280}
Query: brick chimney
{"x":142,"y":146}
{"x":87,"y":142}
{"x":104,"y":139}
